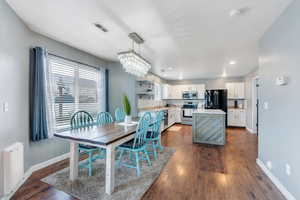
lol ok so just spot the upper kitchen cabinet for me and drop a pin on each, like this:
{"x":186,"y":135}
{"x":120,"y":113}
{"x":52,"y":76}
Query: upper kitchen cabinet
{"x":236,"y":90}
{"x":200,"y":88}
{"x":175,"y":91}
{"x":166,"y":91}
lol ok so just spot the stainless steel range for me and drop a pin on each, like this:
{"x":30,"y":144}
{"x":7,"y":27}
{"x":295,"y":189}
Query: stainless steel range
{"x":187,"y":110}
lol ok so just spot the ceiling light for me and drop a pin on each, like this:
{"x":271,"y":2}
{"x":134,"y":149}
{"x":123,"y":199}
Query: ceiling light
{"x":233,"y":62}
{"x":133,"y":62}
{"x":235,"y":12}
{"x":180,"y":77}
{"x":170,"y":68}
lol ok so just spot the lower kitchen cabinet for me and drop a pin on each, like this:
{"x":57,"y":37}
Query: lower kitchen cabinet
{"x":236,"y":117}
{"x":172,"y":117}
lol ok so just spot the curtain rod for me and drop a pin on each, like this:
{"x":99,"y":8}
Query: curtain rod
{"x":52,"y":54}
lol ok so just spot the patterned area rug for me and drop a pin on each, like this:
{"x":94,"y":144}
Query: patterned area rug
{"x":174,"y":128}
{"x":127,"y":185}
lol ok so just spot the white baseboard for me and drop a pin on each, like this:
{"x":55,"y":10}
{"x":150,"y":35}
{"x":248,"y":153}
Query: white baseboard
{"x":32,"y":169}
{"x":49,"y":162}
{"x":275,"y":181}
{"x":250,"y":130}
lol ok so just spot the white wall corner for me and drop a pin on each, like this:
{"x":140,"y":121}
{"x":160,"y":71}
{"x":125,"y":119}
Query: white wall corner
{"x":34,"y":168}
{"x":275,"y":180}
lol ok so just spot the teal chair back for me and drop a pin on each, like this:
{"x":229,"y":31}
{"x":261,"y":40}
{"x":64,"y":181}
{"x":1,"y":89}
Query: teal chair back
{"x":141,"y":130}
{"x":157,"y":123}
{"x":104,"y":118}
{"x":81,"y":119}
{"x":119,"y":115}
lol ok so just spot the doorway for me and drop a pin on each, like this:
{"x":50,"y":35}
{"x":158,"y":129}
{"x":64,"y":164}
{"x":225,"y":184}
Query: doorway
{"x":255,"y":105}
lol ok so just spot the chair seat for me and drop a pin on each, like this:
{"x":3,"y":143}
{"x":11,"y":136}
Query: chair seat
{"x":151,"y":135}
{"x":129,"y":145}
{"x":87,"y":147}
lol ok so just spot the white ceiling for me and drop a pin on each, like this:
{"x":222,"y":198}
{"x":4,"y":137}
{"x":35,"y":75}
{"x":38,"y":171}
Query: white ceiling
{"x":197,"y":38}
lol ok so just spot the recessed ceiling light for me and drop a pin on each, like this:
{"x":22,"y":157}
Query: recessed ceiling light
{"x":233,"y":62}
{"x":170,"y":68}
{"x":235,"y":12}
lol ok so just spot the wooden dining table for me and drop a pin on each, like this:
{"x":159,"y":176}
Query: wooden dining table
{"x":108,"y":137}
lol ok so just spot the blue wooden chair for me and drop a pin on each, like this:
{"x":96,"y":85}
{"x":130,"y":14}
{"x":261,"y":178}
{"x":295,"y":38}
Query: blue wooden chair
{"x":137,"y":145}
{"x":119,"y":115}
{"x":83,"y":119}
{"x":153,"y":135}
{"x":104,"y":118}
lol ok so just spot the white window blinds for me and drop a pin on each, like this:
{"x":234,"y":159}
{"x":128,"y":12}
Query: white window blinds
{"x":75,"y":87}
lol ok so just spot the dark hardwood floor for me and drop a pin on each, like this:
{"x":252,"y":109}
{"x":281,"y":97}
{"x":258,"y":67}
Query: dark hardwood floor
{"x":200,"y":172}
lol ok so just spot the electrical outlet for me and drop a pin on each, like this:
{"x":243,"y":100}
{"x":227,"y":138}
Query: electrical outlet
{"x":269,"y":164}
{"x":288,"y":169}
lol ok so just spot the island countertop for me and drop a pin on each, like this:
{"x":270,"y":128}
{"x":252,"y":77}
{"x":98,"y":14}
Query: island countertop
{"x":210,"y":111}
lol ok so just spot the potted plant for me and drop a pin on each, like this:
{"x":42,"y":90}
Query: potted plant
{"x":127,"y":109}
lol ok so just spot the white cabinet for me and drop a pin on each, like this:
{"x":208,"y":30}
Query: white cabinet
{"x":236,"y":90}
{"x":171,"y":117}
{"x":166,"y":91}
{"x":201,"y":91}
{"x":178,"y":115}
{"x":175,"y":91}
{"x":157,"y":91}
{"x":236,"y":117}
{"x":174,"y":116}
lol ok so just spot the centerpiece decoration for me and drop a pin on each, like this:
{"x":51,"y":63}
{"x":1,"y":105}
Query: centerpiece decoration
{"x":127,"y":110}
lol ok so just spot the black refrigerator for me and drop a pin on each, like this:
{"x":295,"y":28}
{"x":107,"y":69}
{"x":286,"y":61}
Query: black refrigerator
{"x":216,"y":99}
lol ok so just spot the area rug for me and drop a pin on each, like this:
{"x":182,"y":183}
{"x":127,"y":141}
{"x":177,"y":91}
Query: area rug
{"x":174,"y":128}
{"x":128,"y":186}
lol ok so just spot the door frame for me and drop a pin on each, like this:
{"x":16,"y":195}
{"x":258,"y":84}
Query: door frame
{"x":255,"y":104}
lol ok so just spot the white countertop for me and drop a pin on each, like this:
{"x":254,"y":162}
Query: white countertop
{"x":158,"y":109}
{"x":210,"y":111}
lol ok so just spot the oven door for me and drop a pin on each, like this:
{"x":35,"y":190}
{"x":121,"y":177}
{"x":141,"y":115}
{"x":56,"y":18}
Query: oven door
{"x":187,"y":113}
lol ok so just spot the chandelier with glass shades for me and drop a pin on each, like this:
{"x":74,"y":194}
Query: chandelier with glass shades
{"x":133,"y":62}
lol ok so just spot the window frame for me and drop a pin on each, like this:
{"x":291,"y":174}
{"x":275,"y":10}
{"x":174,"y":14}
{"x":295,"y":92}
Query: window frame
{"x":100,"y":87}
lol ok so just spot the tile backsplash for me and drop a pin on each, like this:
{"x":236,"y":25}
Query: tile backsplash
{"x":150,"y":103}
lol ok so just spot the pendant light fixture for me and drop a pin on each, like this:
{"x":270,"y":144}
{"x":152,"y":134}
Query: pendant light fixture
{"x":133,"y":62}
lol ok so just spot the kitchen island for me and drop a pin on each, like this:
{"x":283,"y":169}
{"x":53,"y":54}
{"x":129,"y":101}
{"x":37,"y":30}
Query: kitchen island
{"x":209,"y":127}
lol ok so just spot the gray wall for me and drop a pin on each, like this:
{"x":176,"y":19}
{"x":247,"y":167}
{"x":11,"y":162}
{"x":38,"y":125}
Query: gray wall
{"x":15,"y":41}
{"x":279,"y":125}
{"x":218,"y":83}
{"x":121,"y":83}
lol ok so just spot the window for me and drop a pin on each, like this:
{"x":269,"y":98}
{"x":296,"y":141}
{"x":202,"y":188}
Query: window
{"x":75,"y":87}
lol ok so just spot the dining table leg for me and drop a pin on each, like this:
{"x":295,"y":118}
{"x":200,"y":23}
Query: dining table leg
{"x":110,"y":170}
{"x":74,"y":156}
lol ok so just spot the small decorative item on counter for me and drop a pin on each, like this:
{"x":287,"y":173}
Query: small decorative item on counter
{"x":127,"y":109}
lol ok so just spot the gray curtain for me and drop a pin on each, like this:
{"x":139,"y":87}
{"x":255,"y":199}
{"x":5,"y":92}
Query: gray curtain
{"x":38,"y":115}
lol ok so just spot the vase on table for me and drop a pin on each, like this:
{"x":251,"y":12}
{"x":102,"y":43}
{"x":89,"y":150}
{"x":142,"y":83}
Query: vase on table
{"x":128,"y":119}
